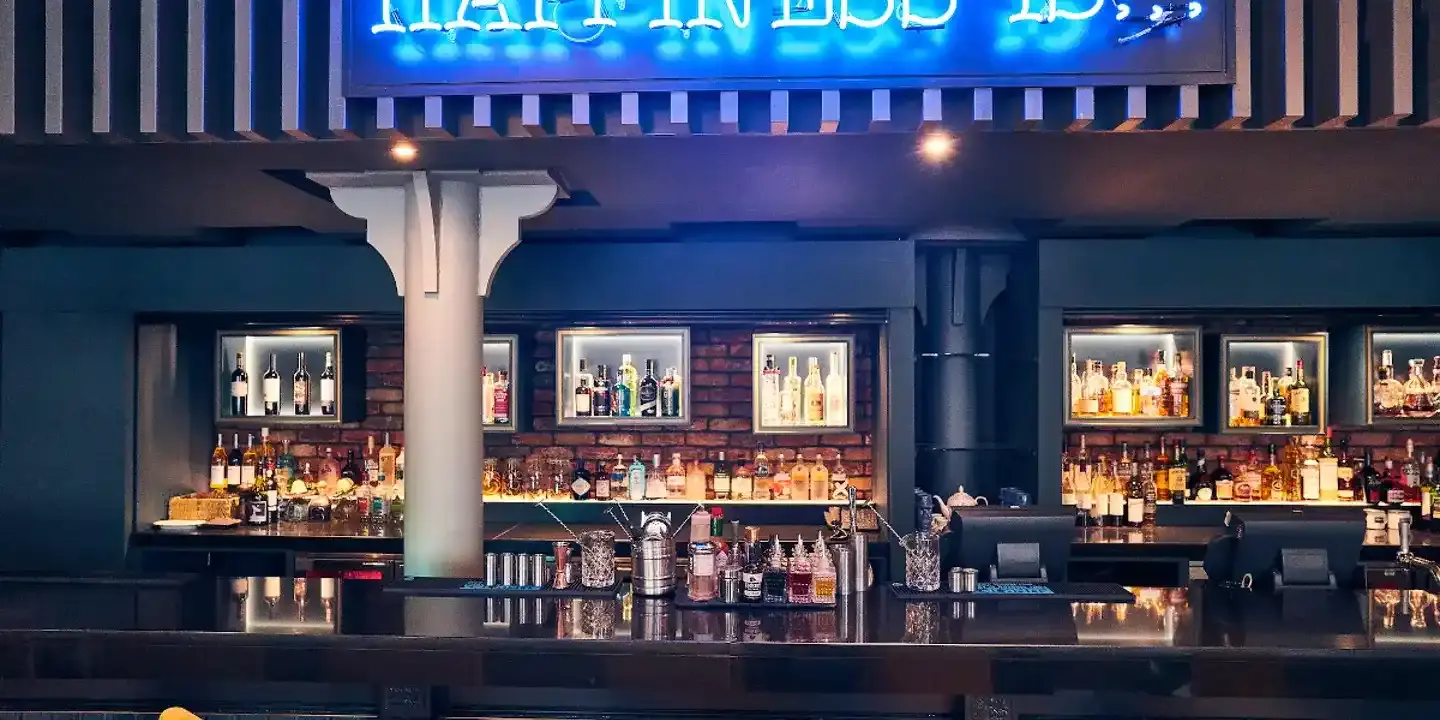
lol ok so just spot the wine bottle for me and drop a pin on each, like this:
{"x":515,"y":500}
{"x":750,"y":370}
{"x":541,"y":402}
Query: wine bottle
{"x":302,"y":387}
{"x":270,"y":384}
{"x":327,"y":386}
{"x":239,"y":388}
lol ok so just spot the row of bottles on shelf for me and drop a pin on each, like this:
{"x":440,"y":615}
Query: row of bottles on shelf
{"x":1162,"y":390}
{"x":272,"y":486}
{"x":1275,"y":401}
{"x":540,"y":478}
{"x":1417,"y":397}
{"x":1125,"y":489}
{"x":627,"y":394}
{"x":271,"y":392}
{"x":791,"y":402}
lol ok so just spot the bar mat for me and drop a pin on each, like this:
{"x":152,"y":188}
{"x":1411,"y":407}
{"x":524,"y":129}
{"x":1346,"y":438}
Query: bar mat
{"x":463,"y":587}
{"x":683,"y":602}
{"x":1066,"y":592}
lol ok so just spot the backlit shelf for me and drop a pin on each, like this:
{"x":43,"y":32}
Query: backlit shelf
{"x":1301,"y":503}
{"x":777,"y":503}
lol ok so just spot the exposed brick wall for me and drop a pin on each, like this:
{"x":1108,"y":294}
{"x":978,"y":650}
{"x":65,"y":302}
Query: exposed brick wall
{"x":720,"y":408}
{"x":1385,"y":445}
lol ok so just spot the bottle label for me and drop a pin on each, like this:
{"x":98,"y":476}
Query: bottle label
{"x":602,"y":488}
{"x":1135,"y":511}
{"x":1122,"y":403}
{"x":302,"y":392}
{"x":502,"y":405}
{"x":1223,"y":491}
{"x":258,"y":513}
{"x":1117,"y":505}
{"x":327,"y":390}
{"x":1395,"y":496}
{"x":702,"y":564}
{"x":722,"y":484}
{"x":1068,"y":498}
{"x":1300,"y":400}
{"x":581,"y":487}
{"x":1203,"y":494}
{"x":1427,"y":506}
{"x":247,"y":476}
{"x":217,"y":476}
{"x":815,"y":408}
{"x":649,"y":402}
{"x":272,"y":499}
{"x":582,"y":404}
{"x":239,"y":388}
{"x":272,"y":390}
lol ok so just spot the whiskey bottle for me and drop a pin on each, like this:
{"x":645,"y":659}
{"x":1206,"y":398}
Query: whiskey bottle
{"x":814,"y":394}
{"x":1410,"y":471}
{"x":649,"y":392}
{"x":583,"y":391}
{"x":1329,"y":469}
{"x":1417,"y":391}
{"x":1162,"y":474}
{"x":790,"y":396}
{"x":1277,"y":406}
{"x":1179,"y":475}
{"x":1272,"y":480}
{"x":301,"y":387}
{"x":1222,"y":482}
{"x":1394,"y":485}
{"x":1236,"y":388}
{"x":1299,"y":398}
{"x":722,"y":478}
{"x":239,"y":388}
{"x":600,"y":394}
{"x":270,"y":388}
{"x":836,"y":396}
{"x":327,"y":386}
{"x":219,"y":461}
{"x":1345,"y":489}
{"x":1389,"y":393}
{"x":770,"y":393}
{"x":695,"y":485}
{"x":1250,"y":407}
{"x":1160,"y":368}
{"x":1120,"y":395}
{"x":764,"y":479}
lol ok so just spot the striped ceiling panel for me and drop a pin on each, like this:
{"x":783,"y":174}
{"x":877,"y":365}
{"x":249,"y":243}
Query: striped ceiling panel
{"x":269,"y":70}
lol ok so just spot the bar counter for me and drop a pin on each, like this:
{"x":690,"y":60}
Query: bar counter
{"x":355,"y":648}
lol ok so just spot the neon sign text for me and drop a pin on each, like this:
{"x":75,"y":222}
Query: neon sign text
{"x":803,"y":14}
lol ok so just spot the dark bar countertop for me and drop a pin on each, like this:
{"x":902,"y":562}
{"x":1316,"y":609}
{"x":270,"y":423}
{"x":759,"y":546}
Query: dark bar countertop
{"x":286,"y":645}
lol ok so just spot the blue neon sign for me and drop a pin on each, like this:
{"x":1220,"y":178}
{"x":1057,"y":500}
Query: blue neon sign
{"x":416,"y":47}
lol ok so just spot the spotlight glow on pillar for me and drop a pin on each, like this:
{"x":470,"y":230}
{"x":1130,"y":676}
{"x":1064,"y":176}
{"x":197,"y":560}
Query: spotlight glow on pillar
{"x":404,"y":151}
{"x":937,"y":146}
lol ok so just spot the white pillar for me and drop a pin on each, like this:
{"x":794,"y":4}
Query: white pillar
{"x":443,"y":234}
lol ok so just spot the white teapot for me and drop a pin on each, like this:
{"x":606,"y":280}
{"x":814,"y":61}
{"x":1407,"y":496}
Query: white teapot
{"x":963,"y":499}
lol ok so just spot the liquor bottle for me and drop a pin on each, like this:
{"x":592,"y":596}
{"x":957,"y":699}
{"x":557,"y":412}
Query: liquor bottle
{"x":1180,"y":389}
{"x":770,"y":393}
{"x":386,"y":458}
{"x":1309,"y":474}
{"x":1410,"y":471}
{"x":1235,"y":388}
{"x":1394,"y":484}
{"x":502,"y":398}
{"x":1179,"y":475}
{"x":604,"y":482}
{"x":621,"y":393}
{"x":1222,"y":482}
{"x":1329,"y":466}
{"x":773,"y":581}
{"x":253,"y":509}
{"x":1299,"y":398}
{"x":790,"y":412}
{"x":249,"y":461}
{"x":1067,"y":481}
{"x":219,"y":461}
{"x":270,"y":486}
{"x":583,"y":381}
{"x":1427,"y":493}
{"x":1345,"y":477}
{"x":630,"y":378}
{"x":239,"y":388}
{"x":1416,"y":401}
{"x":270,"y":388}
{"x":742,"y":483}
{"x":819,"y":479}
{"x":1150,"y":394}
{"x":764,"y":476}
{"x":1247,"y":478}
{"x":800,"y":478}
{"x":837,"y":401}
{"x":1369,"y":481}
{"x":1277,"y":407}
{"x":1100,"y":491}
{"x":780,"y":483}
{"x":580,"y":485}
{"x":649,"y":392}
{"x":1251,"y":410}
{"x":327,"y":386}
{"x":329,"y":469}
{"x":824,"y":574}
{"x":635,"y":479}
{"x":351,"y":475}
{"x":1148,"y":488}
{"x":670,"y":392}
{"x":1092,"y":389}
{"x":301,"y":386}
{"x":839,"y":480}
{"x":1435,"y":384}
{"x":1077,"y":388}
{"x":655,"y":480}
{"x":1388,"y":393}
{"x":285,"y":467}
{"x":1272,"y":480}
{"x":722,"y":478}
{"x":695,"y":485}
{"x":487,"y":394}
{"x":1285,"y":382}
{"x":600,"y":394}
{"x":814,"y":392}
{"x":1145,"y":467}
{"x":1162,"y":473}
{"x":1161,"y":370}
{"x":1202,"y":483}
{"x":1121,"y":398}
{"x":675,"y":479}
{"x":1134,"y":492}
{"x":370,"y":462}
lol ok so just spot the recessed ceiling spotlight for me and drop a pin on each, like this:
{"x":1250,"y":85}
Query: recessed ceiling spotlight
{"x":937,"y":146}
{"x":404,"y":151}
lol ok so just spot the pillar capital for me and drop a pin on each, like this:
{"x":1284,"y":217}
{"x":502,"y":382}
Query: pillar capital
{"x":403,"y":208}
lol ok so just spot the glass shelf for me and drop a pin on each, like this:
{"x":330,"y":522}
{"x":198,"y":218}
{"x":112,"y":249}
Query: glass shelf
{"x":243,"y":361}
{"x":783,"y":366}
{"x":1161,"y":387}
{"x":707,"y":503}
{"x":500,"y":355}
{"x":603,"y":353}
{"x":1250,"y":362}
{"x":1392,"y":395}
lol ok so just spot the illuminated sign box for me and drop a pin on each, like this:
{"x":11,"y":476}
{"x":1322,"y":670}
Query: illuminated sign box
{"x":438,"y":47}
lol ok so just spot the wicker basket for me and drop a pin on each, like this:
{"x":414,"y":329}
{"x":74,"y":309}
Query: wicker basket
{"x":202,"y":507}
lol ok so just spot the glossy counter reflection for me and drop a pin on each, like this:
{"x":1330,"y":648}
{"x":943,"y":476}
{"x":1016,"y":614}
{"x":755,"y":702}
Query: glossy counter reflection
{"x":1195,"y":617}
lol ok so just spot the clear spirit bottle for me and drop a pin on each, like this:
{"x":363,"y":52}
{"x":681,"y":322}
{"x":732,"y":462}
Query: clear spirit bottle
{"x":655,"y":480}
{"x":837,"y":402}
{"x":1417,"y":391}
{"x":790,"y":396}
{"x":1120,"y":396}
{"x":488,"y":390}
{"x":770,"y":393}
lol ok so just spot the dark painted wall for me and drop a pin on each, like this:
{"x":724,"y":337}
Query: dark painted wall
{"x":68,"y":394}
